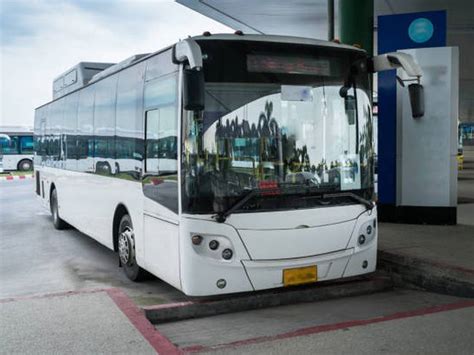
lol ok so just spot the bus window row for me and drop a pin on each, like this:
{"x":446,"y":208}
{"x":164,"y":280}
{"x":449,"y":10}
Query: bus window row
{"x":106,"y":155}
{"x":100,"y":129}
{"x":12,"y":145}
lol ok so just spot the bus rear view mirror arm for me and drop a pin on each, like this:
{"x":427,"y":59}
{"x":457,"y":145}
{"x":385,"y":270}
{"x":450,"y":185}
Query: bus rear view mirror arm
{"x":395,"y":60}
{"x":187,"y":50}
{"x":405,"y":61}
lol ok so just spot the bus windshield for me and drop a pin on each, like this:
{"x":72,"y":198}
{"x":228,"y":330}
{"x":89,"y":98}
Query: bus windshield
{"x":293,"y":118}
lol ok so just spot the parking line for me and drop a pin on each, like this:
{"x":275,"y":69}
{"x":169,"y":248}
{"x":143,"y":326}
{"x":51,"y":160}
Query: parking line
{"x":334,"y":326}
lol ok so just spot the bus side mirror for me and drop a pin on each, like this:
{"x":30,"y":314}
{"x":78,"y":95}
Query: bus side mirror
{"x":350,"y":104}
{"x":193,"y":89}
{"x":417,"y":100}
{"x":351,"y":107}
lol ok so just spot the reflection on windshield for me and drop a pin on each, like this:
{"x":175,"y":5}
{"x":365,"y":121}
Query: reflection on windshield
{"x":293,"y":135}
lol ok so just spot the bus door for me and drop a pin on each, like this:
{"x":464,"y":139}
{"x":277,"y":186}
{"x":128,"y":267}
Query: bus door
{"x":160,"y":188}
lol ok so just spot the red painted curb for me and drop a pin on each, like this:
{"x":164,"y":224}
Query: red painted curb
{"x":16,"y":177}
{"x":136,"y":316}
{"x":449,"y":266}
{"x":335,"y":326}
{"x":168,"y":305}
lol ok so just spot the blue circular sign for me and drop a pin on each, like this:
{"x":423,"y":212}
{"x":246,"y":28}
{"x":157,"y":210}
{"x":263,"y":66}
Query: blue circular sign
{"x":420,"y":30}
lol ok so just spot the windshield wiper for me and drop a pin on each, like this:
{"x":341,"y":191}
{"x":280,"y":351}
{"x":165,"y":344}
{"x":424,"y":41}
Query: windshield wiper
{"x":369,"y":204}
{"x":222,"y":216}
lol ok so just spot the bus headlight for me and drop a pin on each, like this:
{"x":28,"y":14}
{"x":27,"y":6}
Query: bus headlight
{"x":213,"y":244}
{"x":227,"y":254}
{"x":366,"y":233}
{"x":215,"y":247}
{"x":196,"y":239}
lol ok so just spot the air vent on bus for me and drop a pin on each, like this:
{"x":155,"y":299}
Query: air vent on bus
{"x":118,"y":66}
{"x":76,"y":77}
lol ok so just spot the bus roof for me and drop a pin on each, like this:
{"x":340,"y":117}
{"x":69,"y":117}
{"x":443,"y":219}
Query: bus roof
{"x":112,"y":68}
{"x":276,"y":39}
{"x":19,"y":130}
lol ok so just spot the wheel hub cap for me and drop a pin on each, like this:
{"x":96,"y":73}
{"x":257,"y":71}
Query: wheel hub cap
{"x":126,"y":247}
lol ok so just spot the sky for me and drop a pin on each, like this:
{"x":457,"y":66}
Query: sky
{"x":40,"y":39}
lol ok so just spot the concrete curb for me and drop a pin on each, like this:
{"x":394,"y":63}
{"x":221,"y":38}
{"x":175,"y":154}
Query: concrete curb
{"x":428,"y":275}
{"x":15,"y":177}
{"x":197,"y":309}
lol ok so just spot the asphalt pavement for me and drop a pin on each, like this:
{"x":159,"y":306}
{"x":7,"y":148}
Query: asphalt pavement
{"x":81,"y":323}
{"x":35,"y":258}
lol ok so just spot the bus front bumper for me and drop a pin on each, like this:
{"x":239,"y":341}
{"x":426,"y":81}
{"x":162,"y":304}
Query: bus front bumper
{"x":267,"y":274}
{"x":254,"y":275}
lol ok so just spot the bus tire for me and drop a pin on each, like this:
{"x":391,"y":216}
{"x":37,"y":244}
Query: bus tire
{"x":53,"y":203}
{"x":126,"y":250}
{"x":25,"y":165}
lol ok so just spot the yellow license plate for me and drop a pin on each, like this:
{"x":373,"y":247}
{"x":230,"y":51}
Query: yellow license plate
{"x":300,"y":275}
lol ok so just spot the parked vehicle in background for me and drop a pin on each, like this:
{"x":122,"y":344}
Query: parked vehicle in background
{"x":465,"y":138}
{"x":16,"y":148}
{"x":465,"y":134}
{"x":460,"y":159}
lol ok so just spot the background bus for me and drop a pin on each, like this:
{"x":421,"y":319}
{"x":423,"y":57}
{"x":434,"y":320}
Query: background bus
{"x":16,"y":148}
{"x":466,"y":134}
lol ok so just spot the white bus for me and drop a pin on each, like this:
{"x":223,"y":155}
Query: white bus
{"x":16,"y":148}
{"x":222,"y":164}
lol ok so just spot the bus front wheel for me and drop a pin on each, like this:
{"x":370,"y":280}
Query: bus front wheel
{"x":53,"y":202}
{"x":25,"y":165}
{"x":126,"y":250}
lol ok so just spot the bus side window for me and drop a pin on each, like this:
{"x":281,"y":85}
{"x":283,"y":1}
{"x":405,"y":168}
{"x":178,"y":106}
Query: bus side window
{"x":4,"y":142}
{"x":104,"y":126}
{"x":129,"y":136}
{"x":26,"y":145}
{"x":160,"y":182}
{"x":10,"y":146}
{"x":161,"y":141}
{"x":151,"y":142}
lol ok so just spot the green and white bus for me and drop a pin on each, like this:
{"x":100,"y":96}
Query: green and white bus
{"x":16,"y":148}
